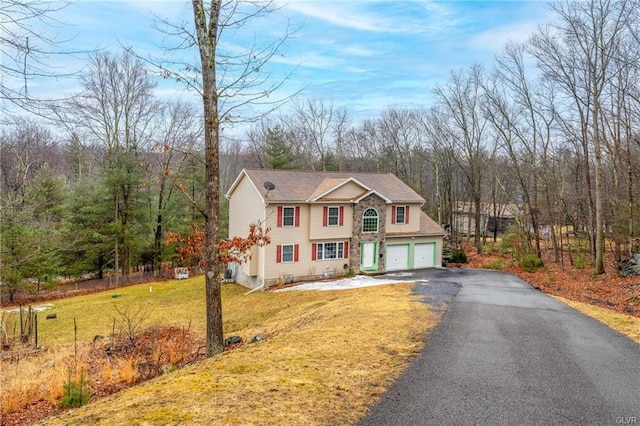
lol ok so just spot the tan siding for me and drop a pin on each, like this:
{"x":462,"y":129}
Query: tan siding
{"x":287,"y":235}
{"x":319,"y":232}
{"x":348,"y":191}
{"x":253,"y":262}
{"x":414,"y":219}
{"x":245,"y":208}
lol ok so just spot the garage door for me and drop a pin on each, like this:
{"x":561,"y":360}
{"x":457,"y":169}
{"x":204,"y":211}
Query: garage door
{"x":397,"y":257}
{"x":424,"y":255}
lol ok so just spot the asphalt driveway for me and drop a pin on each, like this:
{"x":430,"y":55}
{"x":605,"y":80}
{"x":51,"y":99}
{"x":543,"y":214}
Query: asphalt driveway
{"x":507,"y":354}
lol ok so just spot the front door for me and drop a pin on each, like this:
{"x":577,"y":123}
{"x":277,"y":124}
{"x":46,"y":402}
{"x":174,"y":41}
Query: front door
{"x":369,"y":255}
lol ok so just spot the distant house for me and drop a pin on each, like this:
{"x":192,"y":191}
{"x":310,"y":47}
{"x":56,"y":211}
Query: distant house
{"x":330,"y":223}
{"x":494,"y":218}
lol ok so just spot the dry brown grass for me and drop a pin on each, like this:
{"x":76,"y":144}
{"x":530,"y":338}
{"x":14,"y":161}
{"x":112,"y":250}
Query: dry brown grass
{"x":39,"y":377}
{"x":329,"y":356}
{"x":626,"y":324}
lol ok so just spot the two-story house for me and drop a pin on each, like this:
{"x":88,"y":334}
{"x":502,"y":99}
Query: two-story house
{"x":329,"y":223}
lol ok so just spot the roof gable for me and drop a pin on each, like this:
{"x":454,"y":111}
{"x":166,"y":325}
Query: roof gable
{"x":242,"y":175}
{"x":338,"y":188}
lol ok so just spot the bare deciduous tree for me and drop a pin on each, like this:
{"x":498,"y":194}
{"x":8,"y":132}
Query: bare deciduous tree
{"x":227,"y":82}
{"x":460,"y":99}
{"x":176,"y":135}
{"x":26,"y":47}
{"x":578,"y":53}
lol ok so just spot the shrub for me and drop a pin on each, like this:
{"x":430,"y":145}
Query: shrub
{"x":458,"y":256}
{"x":453,"y":255}
{"x":130,"y":319}
{"x":579,"y":260}
{"x":530,"y":262}
{"x":75,"y":394}
{"x":515,"y":243}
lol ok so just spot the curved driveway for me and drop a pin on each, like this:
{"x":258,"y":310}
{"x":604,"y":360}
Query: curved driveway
{"x":507,"y":354}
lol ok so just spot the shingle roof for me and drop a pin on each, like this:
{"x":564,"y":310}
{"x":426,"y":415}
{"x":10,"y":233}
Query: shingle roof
{"x":303,"y":186}
{"x":428,"y":226}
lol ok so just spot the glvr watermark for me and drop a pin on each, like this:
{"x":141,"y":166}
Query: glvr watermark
{"x":627,"y":420}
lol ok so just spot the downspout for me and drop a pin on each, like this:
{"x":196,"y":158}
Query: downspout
{"x":255,"y":289}
{"x":262,"y":260}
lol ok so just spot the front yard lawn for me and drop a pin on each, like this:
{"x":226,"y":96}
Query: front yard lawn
{"x":328,"y":355}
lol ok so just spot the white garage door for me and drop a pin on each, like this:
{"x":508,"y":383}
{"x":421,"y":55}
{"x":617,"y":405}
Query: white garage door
{"x":397,"y":257}
{"x":424,"y":255}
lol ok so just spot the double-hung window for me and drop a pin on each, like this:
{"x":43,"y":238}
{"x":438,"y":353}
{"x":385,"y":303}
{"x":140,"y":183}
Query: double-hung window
{"x":333,"y":216}
{"x":287,"y":253}
{"x":288,"y":216}
{"x":400,"y":215}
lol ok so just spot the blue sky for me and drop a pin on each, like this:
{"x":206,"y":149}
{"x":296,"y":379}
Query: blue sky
{"x":362,"y":55}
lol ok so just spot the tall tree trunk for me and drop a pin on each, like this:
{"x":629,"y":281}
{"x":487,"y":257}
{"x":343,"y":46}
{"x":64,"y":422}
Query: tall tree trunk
{"x":207,"y":35}
{"x":599,"y":260}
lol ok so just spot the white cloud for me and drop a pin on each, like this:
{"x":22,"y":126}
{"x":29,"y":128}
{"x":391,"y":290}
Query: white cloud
{"x":346,"y":15}
{"x":358,"y":51}
{"x":334,"y":15}
{"x":495,"y":38}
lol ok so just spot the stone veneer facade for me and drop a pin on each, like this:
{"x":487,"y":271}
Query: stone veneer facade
{"x":377,"y":203}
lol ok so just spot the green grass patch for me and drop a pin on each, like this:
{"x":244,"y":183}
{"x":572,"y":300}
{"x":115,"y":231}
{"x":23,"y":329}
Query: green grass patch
{"x":531,"y":262}
{"x":167,"y":303}
{"x":497,"y":264}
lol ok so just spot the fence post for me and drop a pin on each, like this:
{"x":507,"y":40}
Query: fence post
{"x":36,"y":328}
{"x":21,"y":327}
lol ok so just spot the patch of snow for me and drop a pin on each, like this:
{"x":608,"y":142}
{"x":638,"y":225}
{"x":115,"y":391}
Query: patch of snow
{"x":401,"y":274}
{"x":33,"y":309}
{"x":343,"y":284}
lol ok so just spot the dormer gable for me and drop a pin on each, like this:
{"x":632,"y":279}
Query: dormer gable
{"x":339,"y":189}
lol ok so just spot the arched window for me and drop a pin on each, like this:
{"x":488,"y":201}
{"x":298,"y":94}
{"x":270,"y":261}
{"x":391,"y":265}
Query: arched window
{"x":370,"y":220}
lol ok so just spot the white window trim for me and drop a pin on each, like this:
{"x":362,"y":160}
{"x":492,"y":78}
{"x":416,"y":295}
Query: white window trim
{"x":320,"y":253}
{"x":329,"y":216}
{"x":293,"y":224}
{"x":293,"y":253}
{"x":377,"y":220}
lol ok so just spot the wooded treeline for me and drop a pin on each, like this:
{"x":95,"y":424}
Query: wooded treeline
{"x":552,"y":126}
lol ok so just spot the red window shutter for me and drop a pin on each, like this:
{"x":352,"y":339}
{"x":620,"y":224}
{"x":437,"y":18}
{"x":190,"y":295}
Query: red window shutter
{"x":296,"y":250}
{"x":314,"y":249}
{"x":341,"y":215}
{"x":406,"y":214}
{"x":279,"y":216}
{"x":297,"y":219}
{"x":279,"y":254}
{"x":325,"y":216}
{"x":393,"y":214}
{"x":346,"y":249}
